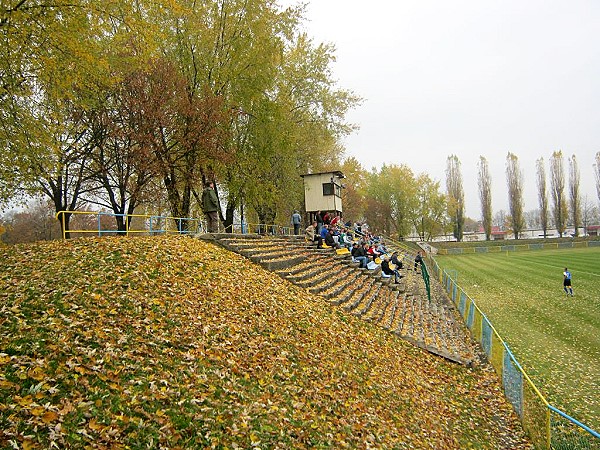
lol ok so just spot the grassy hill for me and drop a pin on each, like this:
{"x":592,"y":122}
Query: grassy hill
{"x":172,"y":342}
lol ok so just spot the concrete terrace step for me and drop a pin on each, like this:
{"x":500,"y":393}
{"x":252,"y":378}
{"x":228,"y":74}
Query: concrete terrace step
{"x":403,"y":308}
{"x":314,"y":276}
{"x":357,"y":296}
{"x":369,"y":300}
{"x":335,"y":279}
{"x":377,"y":313}
{"x":347,"y":284}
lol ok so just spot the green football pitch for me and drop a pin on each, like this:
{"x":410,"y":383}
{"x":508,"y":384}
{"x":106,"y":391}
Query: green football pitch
{"x":555,"y":337}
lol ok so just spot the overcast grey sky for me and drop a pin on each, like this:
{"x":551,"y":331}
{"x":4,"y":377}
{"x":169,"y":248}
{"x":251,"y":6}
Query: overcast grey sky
{"x":470,"y":78}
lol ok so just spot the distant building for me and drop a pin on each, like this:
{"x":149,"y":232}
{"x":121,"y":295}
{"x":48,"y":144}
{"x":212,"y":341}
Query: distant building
{"x":593,"y":230}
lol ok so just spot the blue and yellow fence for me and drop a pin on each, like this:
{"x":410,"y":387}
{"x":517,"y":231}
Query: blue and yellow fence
{"x":547,"y":426}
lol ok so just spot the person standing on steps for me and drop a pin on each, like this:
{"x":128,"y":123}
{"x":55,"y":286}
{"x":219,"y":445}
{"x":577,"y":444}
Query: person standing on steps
{"x":418,"y":260}
{"x":210,"y":205}
{"x":319,"y":219}
{"x":296,"y":220}
{"x":567,"y":282}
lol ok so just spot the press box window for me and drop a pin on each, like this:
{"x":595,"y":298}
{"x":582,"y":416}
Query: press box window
{"x":331,"y":189}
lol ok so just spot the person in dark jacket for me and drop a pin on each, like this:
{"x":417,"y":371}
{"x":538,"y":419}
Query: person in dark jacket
{"x":396,"y":261}
{"x":330,"y":241}
{"x":359,"y":254}
{"x":210,"y":205}
{"x":385,"y":268}
{"x":418,"y":260}
{"x":319,"y":220}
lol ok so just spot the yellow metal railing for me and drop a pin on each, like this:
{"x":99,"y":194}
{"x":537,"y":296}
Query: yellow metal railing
{"x":158,"y":224}
{"x":153,"y":224}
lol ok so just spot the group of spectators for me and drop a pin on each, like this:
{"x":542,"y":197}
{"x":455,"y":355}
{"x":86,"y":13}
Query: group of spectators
{"x":365,"y":248}
{"x":366,"y":253}
{"x":331,"y":235}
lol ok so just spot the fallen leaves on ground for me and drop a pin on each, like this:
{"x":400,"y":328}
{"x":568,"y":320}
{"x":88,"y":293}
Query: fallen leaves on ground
{"x":172,"y":342}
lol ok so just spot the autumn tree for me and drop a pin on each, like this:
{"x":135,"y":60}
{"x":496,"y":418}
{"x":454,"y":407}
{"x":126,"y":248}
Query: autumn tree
{"x":184,"y":133}
{"x":227,"y":91}
{"x":456,"y":196}
{"x":56,"y":159}
{"x":287,"y":114}
{"x":53,"y":58}
{"x":471,"y":225}
{"x":353,"y":193}
{"x":575,"y":196}
{"x":485,"y":196}
{"x":429,"y":214}
{"x":514,"y":179}
{"x":40,"y":140}
{"x":296,"y":131}
{"x":391,"y":200}
{"x":557,"y":187}
{"x":542,"y":195}
{"x":501,"y":219}
{"x":589,"y":214}
{"x":122,"y":164}
{"x":36,"y":223}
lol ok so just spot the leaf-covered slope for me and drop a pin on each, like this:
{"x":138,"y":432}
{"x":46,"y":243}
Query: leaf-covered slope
{"x":172,"y":342}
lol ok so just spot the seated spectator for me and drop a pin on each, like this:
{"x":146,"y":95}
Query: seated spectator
{"x":330,"y":241}
{"x":336,"y":234}
{"x":381,"y":248}
{"x":372,"y":251}
{"x":357,"y":228}
{"x":345,"y":240}
{"x":365,"y":248}
{"x":396,"y":261}
{"x":324,"y":231}
{"x":349,"y":235}
{"x":312,"y":236}
{"x":385,"y":268}
{"x":359,"y":254}
{"x":335,"y":219}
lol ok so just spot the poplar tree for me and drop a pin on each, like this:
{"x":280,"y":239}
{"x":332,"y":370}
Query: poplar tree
{"x":485,"y":196}
{"x":557,"y":187}
{"x":575,"y":197}
{"x":542,"y":195}
{"x":456,"y":196}
{"x":514,"y":179}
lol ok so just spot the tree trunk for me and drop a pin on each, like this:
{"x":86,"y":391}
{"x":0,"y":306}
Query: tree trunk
{"x":229,"y":213}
